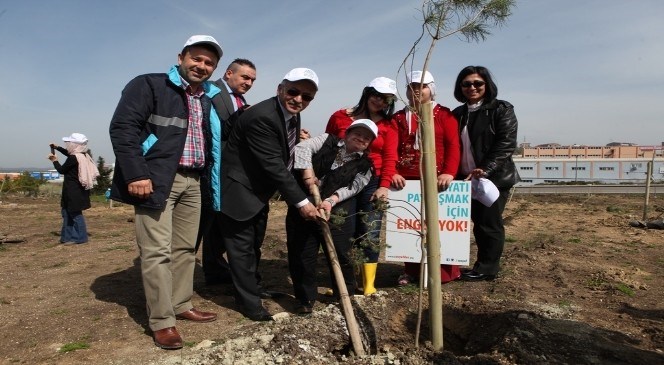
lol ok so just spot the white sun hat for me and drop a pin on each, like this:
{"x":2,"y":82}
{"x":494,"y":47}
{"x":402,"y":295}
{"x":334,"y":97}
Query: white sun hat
{"x":76,"y":138}
{"x":204,"y":39}
{"x":364,"y":123}
{"x":384,"y":85}
{"x":302,"y":73}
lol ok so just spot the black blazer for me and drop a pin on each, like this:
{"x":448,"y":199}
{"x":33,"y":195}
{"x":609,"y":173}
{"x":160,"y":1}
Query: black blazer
{"x":227,"y":105}
{"x":254,"y":162}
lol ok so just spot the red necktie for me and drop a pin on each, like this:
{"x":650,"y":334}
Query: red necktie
{"x":238,"y":101}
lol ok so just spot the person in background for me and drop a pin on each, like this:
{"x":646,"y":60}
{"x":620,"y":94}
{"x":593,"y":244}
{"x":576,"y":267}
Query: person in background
{"x":257,"y":162}
{"x":421,"y":89}
{"x":80,"y":174}
{"x":239,"y":77}
{"x":162,"y":135}
{"x":488,"y":132}
{"x":376,"y":104}
{"x":342,"y":169}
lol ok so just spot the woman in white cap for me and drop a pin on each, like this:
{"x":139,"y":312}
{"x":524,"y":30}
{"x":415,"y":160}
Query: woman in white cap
{"x":377,"y":105}
{"x":80,"y":173}
{"x":421,"y":89}
{"x":488,"y":130}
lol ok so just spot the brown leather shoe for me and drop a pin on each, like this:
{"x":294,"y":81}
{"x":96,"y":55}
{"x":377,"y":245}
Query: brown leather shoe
{"x":168,"y":339}
{"x":197,"y":316}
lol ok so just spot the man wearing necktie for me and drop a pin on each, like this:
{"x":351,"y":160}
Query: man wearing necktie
{"x":237,"y":80}
{"x":256,"y":162}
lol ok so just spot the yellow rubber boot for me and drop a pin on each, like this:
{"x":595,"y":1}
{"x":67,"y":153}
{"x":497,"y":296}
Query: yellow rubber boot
{"x":369,"y":276}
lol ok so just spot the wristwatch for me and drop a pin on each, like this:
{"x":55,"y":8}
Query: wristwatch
{"x":331,"y":201}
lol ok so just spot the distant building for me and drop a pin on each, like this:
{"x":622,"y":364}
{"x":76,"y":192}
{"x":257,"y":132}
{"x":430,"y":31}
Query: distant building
{"x":10,"y":175}
{"x":602,"y":170}
{"x":611,"y":150}
{"x":46,"y":175}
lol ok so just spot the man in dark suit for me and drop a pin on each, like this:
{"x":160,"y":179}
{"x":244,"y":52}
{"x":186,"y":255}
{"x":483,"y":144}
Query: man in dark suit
{"x":237,"y":80}
{"x":256,"y":161}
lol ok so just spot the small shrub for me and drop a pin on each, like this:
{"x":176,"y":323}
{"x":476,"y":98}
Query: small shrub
{"x":125,"y":248}
{"x":596,"y":282}
{"x":98,"y":199}
{"x":73,"y":346}
{"x":613,"y":209}
{"x":565,"y":303}
{"x":625,"y":289}
{"x":410,"y":289}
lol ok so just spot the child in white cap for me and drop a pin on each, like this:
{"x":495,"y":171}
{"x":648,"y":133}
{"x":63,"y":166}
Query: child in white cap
{"x":341,"y":169}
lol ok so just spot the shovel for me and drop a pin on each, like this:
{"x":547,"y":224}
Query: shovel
{"x":351,"y":322}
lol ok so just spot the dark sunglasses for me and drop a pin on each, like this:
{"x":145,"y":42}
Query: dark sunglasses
{"x":387,"y":99}
{"x":477,"y":84}
{"x":295,"y":92}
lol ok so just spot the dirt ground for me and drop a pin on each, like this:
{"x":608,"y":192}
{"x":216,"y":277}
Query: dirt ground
{"x":578,"y":286}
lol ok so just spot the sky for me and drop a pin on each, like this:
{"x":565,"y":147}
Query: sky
{"x":577,"y":72}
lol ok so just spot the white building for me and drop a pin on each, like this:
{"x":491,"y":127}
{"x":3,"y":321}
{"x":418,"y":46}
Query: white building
{"x":576,"y":169}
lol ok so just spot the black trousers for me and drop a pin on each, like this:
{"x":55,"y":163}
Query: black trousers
{"x":304,"y":238}
{"x":243,"y":241}
{"x":215,"y":266}
{"x":489,"y":232}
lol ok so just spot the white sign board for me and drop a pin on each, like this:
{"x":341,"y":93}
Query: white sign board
{"x":403,"y":224}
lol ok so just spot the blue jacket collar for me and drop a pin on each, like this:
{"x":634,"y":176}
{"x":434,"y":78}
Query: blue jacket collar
{"x":174,"y":76}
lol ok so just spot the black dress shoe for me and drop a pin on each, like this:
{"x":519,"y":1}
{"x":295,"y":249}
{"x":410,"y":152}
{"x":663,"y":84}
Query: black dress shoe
{"x":269,"y":294}
{"x":476,"y":276}
{"x":261,"y":315}
{"x":305,"y":308}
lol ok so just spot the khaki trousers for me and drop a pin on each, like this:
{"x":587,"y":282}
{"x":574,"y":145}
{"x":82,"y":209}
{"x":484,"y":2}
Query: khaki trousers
{"x":166,"y":240}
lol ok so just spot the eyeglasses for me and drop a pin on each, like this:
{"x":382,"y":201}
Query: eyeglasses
{"x":295,"y":93}
{"x":386,"y":98}
{"x":477,"y":84}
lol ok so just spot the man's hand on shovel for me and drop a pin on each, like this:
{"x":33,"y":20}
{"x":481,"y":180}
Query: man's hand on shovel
{"x":309,"y":212}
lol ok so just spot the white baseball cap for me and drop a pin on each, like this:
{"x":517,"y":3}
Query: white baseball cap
{"x":204,"y":39}
{"x":384,"y":85}
{"x":364,"y":123}
{"x":76,"y":138}
{"x":416,"y":76}
{"x":302,"y":73}
{"x":484,"y":191}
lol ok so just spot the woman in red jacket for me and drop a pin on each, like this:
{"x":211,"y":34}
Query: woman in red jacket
{"x":377,"y":104}
{"x":421,"y":89}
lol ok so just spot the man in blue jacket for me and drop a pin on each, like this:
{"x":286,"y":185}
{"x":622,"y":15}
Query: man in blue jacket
{"x":166,"y":138}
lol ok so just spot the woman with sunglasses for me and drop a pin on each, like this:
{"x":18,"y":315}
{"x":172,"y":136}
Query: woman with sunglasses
{"x":376,"y":104}
{"x":488,"y":131}
{"x":421,"y":89}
